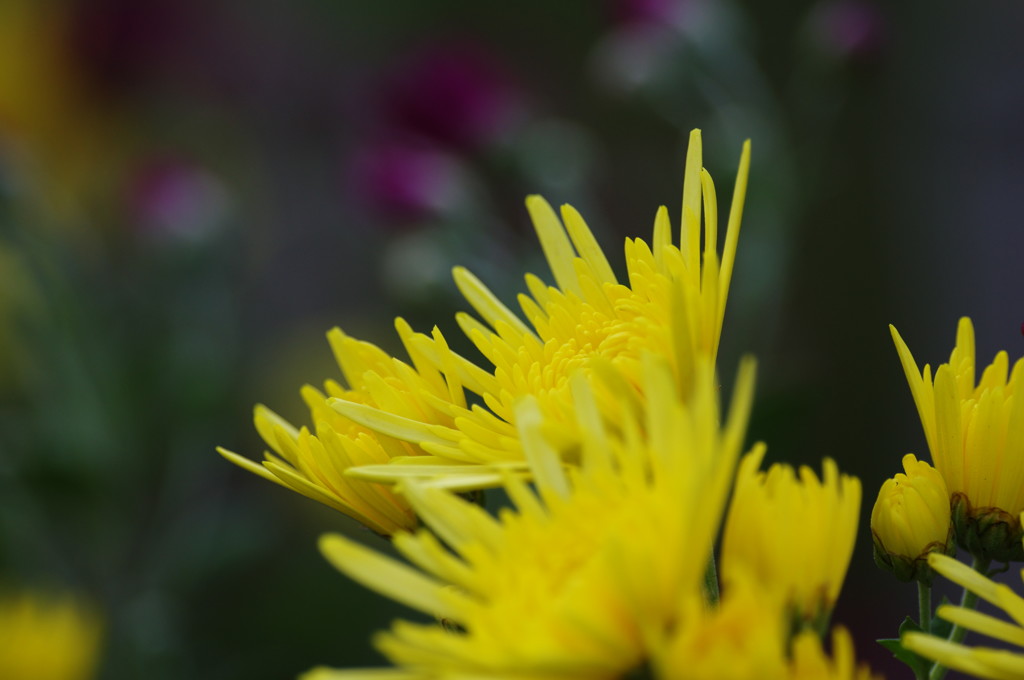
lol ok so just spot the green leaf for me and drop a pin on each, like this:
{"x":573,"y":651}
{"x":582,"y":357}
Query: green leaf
{"x":909,"y":625}
{"x":917,"y":664}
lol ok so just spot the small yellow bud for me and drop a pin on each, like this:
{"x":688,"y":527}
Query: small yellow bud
{"x":911,"y":518}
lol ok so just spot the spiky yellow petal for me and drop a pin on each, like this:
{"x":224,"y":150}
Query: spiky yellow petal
{"x":366,"y":425}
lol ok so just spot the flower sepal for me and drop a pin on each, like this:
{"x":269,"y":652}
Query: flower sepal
{"x":988,"y":533}
{"x":906,"y":568}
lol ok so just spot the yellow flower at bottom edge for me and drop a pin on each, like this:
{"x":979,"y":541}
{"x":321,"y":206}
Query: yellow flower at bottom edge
{"x":747,"y":638}
{"x":672,"y":305}
{"x":810,"y":662}
{"x":983,"y":662}
{"x":911,"y":519}
{"x":796,"y":534}
{"x":976,"y":436}
{"x":581,"y":577}
{"x":316,"y":463}
{"x":743,"y":638}
{"x":47,"y":638}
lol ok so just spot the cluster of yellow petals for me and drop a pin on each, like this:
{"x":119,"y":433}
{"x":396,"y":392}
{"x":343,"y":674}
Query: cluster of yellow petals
{"x":975,"y":431}
{"x":395,"y":421}
{"x":582,"y":576}
{"x":47,"y":637}
{"x":598,"y":417}
{"x":744,"y":637}
{"x":810,"y":662}
{"x":748,"y":636}
{"x":673,"y":306}
{"x":598,"y":571}
{"x":315,"y":462}
{"x":794,"y":531}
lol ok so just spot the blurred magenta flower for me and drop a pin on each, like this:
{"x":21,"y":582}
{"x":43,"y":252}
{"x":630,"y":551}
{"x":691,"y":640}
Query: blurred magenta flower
{"x":455,"y":94}
{"x":176,"y":198}
{"x":633,"y":12}
{"x":406,"y":180}
{"x":849,"y":28}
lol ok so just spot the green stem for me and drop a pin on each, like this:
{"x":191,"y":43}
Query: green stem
{"x":968,"y":600}
{"x":711,"y":581}
{"x":924,"y":617}
{"x":924,"y":606}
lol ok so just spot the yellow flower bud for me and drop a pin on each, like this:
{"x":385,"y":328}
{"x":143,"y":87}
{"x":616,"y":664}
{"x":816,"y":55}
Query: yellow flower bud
{"x":911,"y":518}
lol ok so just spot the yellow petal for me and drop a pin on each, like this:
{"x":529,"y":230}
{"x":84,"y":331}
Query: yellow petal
{"x":387,"y":576}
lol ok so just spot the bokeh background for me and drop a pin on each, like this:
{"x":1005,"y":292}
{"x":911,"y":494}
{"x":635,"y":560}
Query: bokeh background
{"x":192,"y":193}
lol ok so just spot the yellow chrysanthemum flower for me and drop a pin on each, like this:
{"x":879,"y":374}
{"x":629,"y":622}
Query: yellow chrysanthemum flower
{"x":748,"y":638}
{"x":581,"y":577}
{"x":744,"y":638}
{"x":673,"y":306}
{"x":810,"y":662}
{"x":795,"y":533}
{"x":983,"y":662}
{"x":976,"y":436}
{"x":911,"y":519}
{"x":315,"y":465}
{"x":47,"y":638}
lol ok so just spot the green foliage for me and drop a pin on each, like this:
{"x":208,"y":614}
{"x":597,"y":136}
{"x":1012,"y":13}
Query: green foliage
{"x":917,"y":663}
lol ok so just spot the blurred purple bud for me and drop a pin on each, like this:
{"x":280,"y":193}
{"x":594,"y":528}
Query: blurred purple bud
{"x":633,"y":12}
{"x":456,"y":95}
{"x":170,"y":197}
{"x":406,"y":181}
{"x":849,"y":28}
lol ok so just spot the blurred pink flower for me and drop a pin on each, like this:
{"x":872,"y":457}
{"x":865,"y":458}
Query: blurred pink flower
{"x":456,"y":95}
{"x":172,"y":197}
{"x":633,"y":12}
{"x":405,"y":181}
{"x":849,"y":28}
